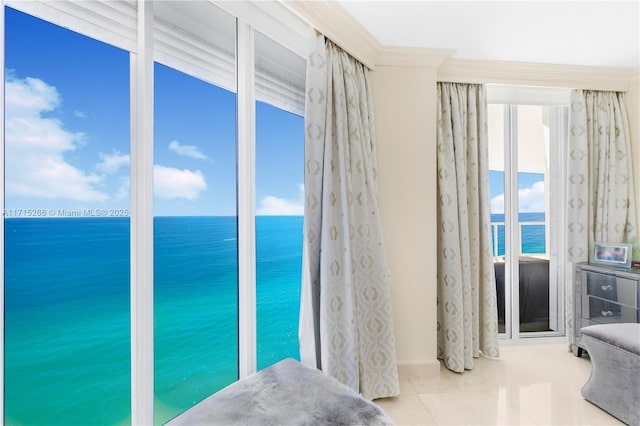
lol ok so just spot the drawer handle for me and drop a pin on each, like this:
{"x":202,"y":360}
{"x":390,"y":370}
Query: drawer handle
{"x":607,"y":287}
{"x":607,"y":313}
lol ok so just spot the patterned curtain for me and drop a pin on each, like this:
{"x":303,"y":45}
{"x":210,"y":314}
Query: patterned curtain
{"x":345,"y":320}
{"x":467,"y":305}
{"x":601,"y":205}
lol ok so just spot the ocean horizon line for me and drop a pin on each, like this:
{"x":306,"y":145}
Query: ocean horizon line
{"x":11,"y":217}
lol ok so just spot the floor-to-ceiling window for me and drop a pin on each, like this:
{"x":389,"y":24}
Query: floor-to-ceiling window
{"x":279,"y":208}
{"x":67,"y":344}
{"x":527,"y":140}
{"x":195,"y":213}
{"x":76,"y":275}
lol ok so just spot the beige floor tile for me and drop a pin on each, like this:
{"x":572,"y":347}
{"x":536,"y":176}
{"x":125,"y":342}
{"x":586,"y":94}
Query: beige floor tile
{"x":548,"y":403}
{"x":472,"y":408}
{"x":406,"y":387}
{"x":406,"y":409}
{"x":529,"y":384}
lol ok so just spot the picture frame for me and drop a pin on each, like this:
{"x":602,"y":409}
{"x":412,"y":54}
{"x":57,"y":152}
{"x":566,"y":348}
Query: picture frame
{"x":611,"y":254}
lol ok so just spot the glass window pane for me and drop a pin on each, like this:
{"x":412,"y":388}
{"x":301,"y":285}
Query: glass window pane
{"x":280,"y":211}
{"x":195,"y":236}
{"x":67,"y":338}
{"x":533,"y":142}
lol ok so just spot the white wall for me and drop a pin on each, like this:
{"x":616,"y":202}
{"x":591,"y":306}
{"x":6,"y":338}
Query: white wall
{"x":405,"y":108}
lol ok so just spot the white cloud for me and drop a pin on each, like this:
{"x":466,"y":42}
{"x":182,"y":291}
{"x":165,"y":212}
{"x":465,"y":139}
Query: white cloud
{"x":532,"y":199}
{"x":529,"y":199}
{"x":170,"y":183}
{"x":79,"y":114}
{"x":35,"y":146}
{"x":111,"y":163}
{"x":276,"y":206}
{"x":30,"y":96}
{"x":497,"y":204}
{"x":187,"y":150}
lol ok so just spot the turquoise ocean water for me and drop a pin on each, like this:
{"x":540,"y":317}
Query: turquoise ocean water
{"x":67,"y":350}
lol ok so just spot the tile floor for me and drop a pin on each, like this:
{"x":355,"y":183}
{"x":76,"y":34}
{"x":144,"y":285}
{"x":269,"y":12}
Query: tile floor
{"x":534,"y":384}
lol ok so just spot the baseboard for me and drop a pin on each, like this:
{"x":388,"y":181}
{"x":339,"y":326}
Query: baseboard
{"x":416,"y":370}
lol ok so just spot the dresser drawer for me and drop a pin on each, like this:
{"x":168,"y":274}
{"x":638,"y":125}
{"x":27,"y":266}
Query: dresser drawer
{"x":604,"y":311}
{"x":612,"y":288}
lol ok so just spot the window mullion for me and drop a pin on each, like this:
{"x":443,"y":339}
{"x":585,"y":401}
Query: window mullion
{"x":142,"y":360}
{"x":512,"y":224}
{"x":558,"y":155}
{"x":247,"y":347}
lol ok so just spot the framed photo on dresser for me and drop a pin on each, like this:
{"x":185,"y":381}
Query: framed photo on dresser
{"x":611,"y":254}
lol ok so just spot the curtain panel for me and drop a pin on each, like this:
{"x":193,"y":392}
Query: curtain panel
{"x":346,"y":324}
{"x":467,"y":307}
{"x":601,"y":194}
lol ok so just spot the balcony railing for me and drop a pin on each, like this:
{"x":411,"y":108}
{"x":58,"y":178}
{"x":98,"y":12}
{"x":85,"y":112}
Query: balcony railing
{"x":537,"y":248}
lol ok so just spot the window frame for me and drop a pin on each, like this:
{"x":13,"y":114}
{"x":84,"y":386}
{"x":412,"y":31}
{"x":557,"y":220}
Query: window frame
{"x":141,"y":217}
{"x":246,"y":196}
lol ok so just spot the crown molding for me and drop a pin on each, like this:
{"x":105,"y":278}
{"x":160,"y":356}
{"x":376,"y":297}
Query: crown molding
{"x":332,"y":20}
{"x":412,"y":57}
{"x":534,"y":74}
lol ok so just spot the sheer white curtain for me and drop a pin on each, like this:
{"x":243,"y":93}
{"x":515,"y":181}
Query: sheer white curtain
{"x":601,"y":204}
{"x":467,"y":308}
{"x":345,"y":322}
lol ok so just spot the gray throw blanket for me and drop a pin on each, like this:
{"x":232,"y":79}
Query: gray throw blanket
{"x":287,"y":393}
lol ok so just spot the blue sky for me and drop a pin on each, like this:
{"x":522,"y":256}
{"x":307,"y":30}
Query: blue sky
{"x":67,"y":132}
{"x":531,"y":196}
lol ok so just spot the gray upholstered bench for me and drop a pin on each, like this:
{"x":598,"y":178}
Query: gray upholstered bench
{"x":614,"y":384}
{"x":287,"y":393}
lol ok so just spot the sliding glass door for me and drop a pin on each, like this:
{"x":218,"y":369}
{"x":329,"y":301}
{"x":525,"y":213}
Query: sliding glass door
{"x":525,"y":147}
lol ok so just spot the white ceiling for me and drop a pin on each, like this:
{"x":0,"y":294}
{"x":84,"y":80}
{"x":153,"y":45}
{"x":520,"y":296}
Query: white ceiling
{"x":594,"y":33}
